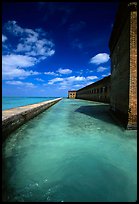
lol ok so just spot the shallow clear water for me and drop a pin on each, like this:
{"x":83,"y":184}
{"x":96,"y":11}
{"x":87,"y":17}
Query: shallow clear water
{"x":13,"y":102}
{"x":71,"y":152}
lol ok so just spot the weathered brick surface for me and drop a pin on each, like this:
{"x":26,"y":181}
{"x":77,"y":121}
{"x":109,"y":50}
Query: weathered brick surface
{"x":123,"y":47}
{"x":98,"y":91}
{"x":132,"y":115}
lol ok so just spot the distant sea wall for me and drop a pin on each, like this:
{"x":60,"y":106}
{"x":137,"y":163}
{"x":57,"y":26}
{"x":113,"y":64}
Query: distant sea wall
{"x":15,"y":117}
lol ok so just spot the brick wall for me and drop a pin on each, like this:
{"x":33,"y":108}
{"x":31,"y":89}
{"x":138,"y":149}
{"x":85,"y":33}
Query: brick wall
{"x":120,"y":73}
{"x":123,"y":48}
{"x":132,"y":112}
{"x":98,"y":91}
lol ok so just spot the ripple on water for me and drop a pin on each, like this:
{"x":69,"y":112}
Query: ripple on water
{"x":72,"y":152}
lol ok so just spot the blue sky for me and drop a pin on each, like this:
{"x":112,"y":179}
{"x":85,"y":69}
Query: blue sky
{"x":50,"y":48}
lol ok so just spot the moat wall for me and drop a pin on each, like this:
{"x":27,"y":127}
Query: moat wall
{"x":15,"y":117}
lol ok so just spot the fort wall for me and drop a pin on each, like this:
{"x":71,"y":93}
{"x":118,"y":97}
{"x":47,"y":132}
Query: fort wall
{"x":123,"y":48}
{"x":15,"y":117}
{"x":98,"y":91}
{"x":120,"y":88}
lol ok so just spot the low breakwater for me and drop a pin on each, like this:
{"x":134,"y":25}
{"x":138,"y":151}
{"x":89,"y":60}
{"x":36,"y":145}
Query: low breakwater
{"x":15,"y":117}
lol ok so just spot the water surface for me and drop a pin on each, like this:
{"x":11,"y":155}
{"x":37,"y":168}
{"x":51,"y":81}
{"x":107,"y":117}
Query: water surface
{"x":13,"y":102}
{"x":71,"y":152}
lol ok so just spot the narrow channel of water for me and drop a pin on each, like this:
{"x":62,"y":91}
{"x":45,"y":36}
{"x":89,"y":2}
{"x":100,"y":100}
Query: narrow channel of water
{"x":71,"y":152}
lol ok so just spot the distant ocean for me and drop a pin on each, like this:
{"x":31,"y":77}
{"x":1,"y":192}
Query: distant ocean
{"x":13,"y":102}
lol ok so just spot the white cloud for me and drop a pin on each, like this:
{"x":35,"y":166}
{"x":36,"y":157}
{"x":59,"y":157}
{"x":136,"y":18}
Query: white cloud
{"x":13,"y":28}
{"x":18,"y":60}
{"x":77,"y":85}
{"x":72,"y":81}
{"x":4,"y":38}
{"x":60,"y":71}
{"x":23,"y":47}
{"x":89,"y":71}
{"x":88,"y":83}
{"x":52,"y":81}
{"x":14,"y":82}
{"x":32,"y":47}
{"x":104,"y":75}
{"x":74,"y":78}
{"x":68,"y":82}
{"x":20,"y":83}
{"x":100,"y":58}
{"x":51,"y":73}
{"x":64,"y":71}
{"x":38,"y":79}
{"x":17,"y":73}
{"x":12,"y":66}
{"x":62,"y":87}
{"x":92,"y":77}
{"x":31,"y":42}
{"x":101,"y":69}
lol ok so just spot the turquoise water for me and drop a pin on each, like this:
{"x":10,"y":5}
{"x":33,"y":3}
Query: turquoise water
{"x":71,"y":152}
{"x":13,"y":102}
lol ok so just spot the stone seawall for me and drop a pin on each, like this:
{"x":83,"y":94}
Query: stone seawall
{"x":15,"y":117}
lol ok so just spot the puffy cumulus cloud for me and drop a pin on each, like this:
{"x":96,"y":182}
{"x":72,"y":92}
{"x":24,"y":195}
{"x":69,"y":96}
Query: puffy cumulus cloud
{"x":51,"y":73}
{"x":59,"y":72}
{"x":78,"y":85}
{"x":4,"y":38}
{"x":18,"y":60}
{"x":52,"y":81}
{"x":75,"y":78}
{"x":101,"y":69}
{"x":64,"y":71}
{"x":31,"y":48}
{"x":12,"y":66}
{"x":66,"y":80}
{"x":100,"y":58}
{"x":20,"y":83}
{"x":31,"y":42}
{"x":36,"y":48}
{"x":104,"y":75}
{"x":86,"y":84}
{"x":92,"y":77}
{"x":13,"y":28}
{"x":17,"y":73}
{"x":71,"y":82}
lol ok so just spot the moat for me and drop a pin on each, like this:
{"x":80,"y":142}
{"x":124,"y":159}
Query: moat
{"x":73,"y":151}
